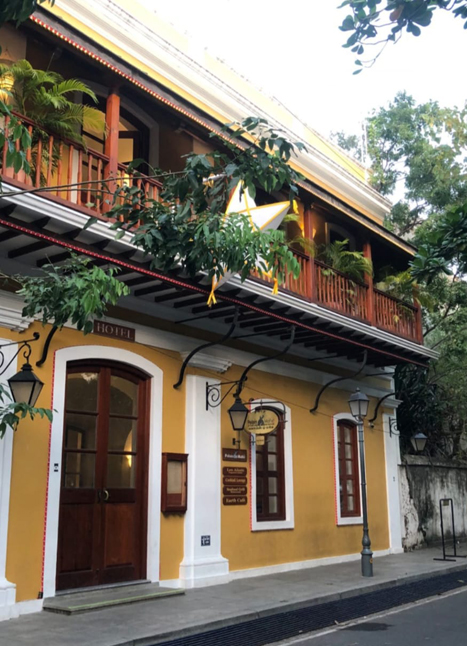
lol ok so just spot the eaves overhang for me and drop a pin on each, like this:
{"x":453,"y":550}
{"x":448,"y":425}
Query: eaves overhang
{"x":35,"y":231}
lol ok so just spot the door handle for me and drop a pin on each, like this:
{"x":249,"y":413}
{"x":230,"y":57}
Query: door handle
{"x":106,"y":494}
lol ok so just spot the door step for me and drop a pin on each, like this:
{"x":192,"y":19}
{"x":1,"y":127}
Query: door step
{"x":86,"y":601}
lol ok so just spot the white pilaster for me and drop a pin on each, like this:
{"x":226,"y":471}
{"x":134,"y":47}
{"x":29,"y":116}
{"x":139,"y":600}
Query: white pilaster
{"x":203,"y":564}
{"x":393,"y":458}
{"x":7,"y":589}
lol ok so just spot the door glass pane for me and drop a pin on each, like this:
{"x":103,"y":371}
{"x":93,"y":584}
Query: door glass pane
{"x":81,"y":391}
{"x":350,"y":503}
{"x":259,"y":461}
{"x":349,"y":467}
{"x":349,"y":487}
{"x":174,"y":476}
{"x":272,"y":462}
{"x":80,"y":431}
{"x":123,"y":396}
{"x":122,"y":434}
{"x":273,"y":505}
{"x":272,"y":485}
{"x":347,"y":432}
{"x":348,"y":451}
{"x":272,"y":442}
{"x":79,"y":470}
{"x":121,"y":471}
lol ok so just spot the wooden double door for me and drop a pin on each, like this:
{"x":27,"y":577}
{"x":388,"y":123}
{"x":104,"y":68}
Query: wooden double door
{"x":103,"y":500}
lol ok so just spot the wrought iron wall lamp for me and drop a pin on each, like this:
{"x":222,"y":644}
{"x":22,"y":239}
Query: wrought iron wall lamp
{"x":24,"y":385}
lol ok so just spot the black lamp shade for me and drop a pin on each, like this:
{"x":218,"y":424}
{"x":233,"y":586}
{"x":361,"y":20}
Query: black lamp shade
{"x":358,"y":403}
{"x":238,"y":413}
{"x":25,"y":386}
{"x":418,"y":442}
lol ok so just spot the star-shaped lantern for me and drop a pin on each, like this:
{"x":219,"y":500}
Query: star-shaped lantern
{"x":264,"y":218}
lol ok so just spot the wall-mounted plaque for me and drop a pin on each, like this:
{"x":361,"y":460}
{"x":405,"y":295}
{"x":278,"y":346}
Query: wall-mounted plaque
{"x":233,"y":480}
{"x":234,"y":471}
{"x":234,"y":455}
{"x":235,"y":500}
{"x":113,"y":330}
{"x":234,"y":491}
{"x":262,"y":421}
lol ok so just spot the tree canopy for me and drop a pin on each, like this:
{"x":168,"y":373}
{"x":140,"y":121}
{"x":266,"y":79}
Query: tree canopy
{"x":379,"y":22}
{"x":19,"y":10}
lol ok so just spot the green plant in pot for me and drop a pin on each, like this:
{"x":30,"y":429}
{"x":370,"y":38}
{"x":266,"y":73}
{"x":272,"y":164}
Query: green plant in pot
{"x":46,"y":98}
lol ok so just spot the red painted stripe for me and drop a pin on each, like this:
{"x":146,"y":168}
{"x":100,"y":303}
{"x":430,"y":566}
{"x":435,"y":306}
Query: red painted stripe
{"x":196,"y":288}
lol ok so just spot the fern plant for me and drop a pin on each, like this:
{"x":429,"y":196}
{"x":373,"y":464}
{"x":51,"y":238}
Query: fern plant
{"x":47,"y":99}
{"x":351,"y":263}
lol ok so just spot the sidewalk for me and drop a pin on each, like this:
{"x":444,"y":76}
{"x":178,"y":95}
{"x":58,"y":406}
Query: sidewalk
{"x":203,"y":609}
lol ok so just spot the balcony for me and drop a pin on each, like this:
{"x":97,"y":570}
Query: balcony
{"x":320,"y":283}
{"x":56,"y":162}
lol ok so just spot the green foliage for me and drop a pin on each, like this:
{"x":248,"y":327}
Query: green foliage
{"x":186,"y":227}
{"x":74,"y":291}
{"x":16,"y":132}
{"x":420,"y":150}
{"x":379,"y":22}
{"x":11,"y":413}
{"x":47,"y":98}
{"x":351,"y":263}
{"x":19,"y":10}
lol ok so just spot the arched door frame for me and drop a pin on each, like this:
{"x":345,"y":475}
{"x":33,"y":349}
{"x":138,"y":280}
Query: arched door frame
{"x":62,"y":358}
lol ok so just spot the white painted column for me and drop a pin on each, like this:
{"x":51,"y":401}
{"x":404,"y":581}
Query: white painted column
{"x":203,"y":564}
{"x":7,"y":589}
{"x":393,"y":459}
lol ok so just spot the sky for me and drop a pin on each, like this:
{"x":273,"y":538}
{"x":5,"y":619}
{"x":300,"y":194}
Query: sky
{"x":292,"y":49}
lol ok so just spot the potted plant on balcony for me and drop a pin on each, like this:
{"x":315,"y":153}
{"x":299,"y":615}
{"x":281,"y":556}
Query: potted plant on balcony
{"x":341,"y":278}
{"x":46,"y":99}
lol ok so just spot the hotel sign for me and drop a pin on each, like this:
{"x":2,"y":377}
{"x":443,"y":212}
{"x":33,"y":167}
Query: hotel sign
{"x":115,"y":331}
{"x":234,"y":455}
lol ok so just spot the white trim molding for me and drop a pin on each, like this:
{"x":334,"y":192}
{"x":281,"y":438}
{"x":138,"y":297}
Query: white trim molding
{"x":392,"y":460}
{"x":203,"y":563}
{"x":289,"y":522}
{"x":354,"y":520}
{"x":8,"y":610}
{"x":11,"y":313}
{"x":207,"y":362}
{"x":62,"y":357}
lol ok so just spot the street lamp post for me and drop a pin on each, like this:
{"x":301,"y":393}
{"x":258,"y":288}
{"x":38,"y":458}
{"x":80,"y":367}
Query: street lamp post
{"x":358,"y":403}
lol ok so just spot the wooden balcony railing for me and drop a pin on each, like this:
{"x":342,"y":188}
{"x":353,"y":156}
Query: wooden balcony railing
{"x":71,"y":173}
{"x":76,"y":176}
{"x":395,"y":315}
{"x":337,"y":291}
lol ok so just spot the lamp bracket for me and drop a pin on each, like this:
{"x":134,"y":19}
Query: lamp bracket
{"x":214,"y":393}
{"x":335,"y":381}
{"x":393,"y":430}
{"x":244,"y":377}
{"x":226,"y":336}
{"x":22,"y":345}
{"x":45,"y":349}
{"x":393,"y":394}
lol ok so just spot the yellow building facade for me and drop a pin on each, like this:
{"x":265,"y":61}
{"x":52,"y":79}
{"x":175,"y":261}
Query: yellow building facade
{"x":140,"y":475}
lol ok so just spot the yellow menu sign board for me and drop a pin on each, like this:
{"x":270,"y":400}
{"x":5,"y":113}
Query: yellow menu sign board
{"x":262,"y":421}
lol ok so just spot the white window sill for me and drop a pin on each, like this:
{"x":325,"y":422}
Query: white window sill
{"x":357,"y":520}
{"x":271,"y":525}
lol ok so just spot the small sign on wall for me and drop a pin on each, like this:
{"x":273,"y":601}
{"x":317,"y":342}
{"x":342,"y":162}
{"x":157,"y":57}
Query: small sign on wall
{"x":116,"y":331}
{"x":235,"y":500}
{"x":234,"y":455}
{"x":205,"y":541}
{"x":234,"y":471}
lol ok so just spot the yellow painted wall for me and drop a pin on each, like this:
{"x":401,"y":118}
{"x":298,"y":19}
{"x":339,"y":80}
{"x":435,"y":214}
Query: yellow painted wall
{"x":315,"y":534}
{"x":30,"y":454}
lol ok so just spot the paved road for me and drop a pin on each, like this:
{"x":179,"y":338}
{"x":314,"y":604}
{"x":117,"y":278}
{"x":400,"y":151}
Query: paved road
{"x":441,"y":622}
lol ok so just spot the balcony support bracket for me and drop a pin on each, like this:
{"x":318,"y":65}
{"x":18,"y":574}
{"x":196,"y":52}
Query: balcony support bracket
{"x":335,"y":381}
{"x":226,"y":336}
{"x":244,"y":377}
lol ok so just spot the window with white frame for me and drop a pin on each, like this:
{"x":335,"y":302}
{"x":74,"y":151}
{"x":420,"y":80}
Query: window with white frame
{"x":347,"y":471}
{"x":271,"y":476}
